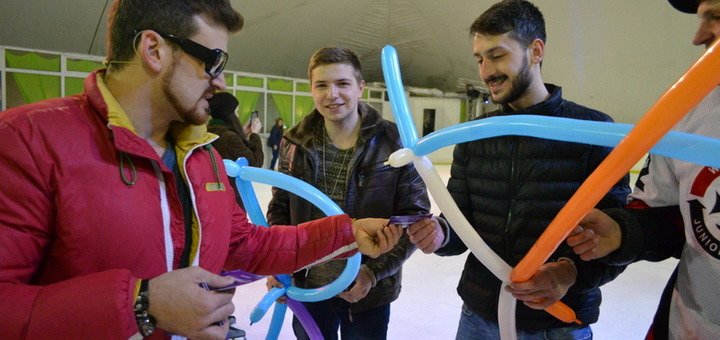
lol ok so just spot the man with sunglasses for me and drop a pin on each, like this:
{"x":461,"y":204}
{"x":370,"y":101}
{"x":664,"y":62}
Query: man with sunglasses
{"x":115,"y":209}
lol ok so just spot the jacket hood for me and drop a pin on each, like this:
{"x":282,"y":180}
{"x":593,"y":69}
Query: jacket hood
{"x":185,"y":136}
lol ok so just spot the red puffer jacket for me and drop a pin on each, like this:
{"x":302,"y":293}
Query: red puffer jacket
{"x":87,"y":208}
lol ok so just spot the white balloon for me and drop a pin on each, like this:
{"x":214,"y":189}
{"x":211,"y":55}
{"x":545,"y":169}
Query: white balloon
{"x":468,"y":235}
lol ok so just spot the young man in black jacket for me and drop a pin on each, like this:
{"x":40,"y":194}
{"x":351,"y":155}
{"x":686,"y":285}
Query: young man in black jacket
{"x":510,"y":188}
{"x":340,"y":148}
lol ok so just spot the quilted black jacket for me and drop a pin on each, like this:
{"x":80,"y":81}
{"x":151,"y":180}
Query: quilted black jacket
{"x":510,"y":188}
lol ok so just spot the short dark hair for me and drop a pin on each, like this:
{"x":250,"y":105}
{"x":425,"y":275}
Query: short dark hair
{"x":335,"y":55}
{"x":174,"y":17}
{"x":521,"y":18}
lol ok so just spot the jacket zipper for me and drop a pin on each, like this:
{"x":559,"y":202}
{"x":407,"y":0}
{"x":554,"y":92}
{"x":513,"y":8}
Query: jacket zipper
{"x":165,"y":210}
{"x":513,"y":159}
{"x":195,"y":260}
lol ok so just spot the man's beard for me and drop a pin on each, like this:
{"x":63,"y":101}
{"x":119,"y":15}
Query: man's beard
{"x":518,"y":87}
{"x":190,"y":116}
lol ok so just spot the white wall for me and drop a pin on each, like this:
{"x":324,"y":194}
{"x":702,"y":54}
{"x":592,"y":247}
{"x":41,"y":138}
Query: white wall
{"x":617,"y":56}
{"x":447,"y":113}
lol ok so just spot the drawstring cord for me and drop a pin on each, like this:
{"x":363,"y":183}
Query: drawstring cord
{"x":133,"y":173}
{"x":216,"y":171}
{"x":124,"y":157}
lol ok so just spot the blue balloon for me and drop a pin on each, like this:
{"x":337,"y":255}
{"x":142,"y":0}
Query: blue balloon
{"x":678,"y":145}
{"x":327,"y":206}
{"x":262,"y":307}
{"x":276,"y":321}
{"x":244,"y":174}
{"x":247,"y":192}
{"x":401,"y":110}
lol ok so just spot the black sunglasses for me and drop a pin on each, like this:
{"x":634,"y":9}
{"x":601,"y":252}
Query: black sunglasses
{"x":214,"y":59}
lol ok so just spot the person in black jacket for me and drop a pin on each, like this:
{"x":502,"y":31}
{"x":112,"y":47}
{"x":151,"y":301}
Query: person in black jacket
{"x":232,"y":142}
{"x":273,"y":141}
{"x":511,"y":187}
{"x":340,"y":148}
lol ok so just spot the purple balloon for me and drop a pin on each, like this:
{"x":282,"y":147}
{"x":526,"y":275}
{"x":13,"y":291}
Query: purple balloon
{"x":306,"y":320}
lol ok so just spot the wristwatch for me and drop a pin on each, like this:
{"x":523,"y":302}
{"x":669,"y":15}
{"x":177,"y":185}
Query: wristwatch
{"x":145,"y":321}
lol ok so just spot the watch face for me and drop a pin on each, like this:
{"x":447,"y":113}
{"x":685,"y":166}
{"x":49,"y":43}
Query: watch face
{"x":147,"y":328}
{"x":145,"y":321}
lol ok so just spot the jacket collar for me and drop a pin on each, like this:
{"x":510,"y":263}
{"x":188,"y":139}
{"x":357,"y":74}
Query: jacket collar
{"x":311,"y":127}
{"x":185,"y":136}
{"x":547,"y":107}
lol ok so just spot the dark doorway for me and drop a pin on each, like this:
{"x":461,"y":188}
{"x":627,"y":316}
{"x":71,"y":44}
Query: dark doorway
{"x":428,"y":121}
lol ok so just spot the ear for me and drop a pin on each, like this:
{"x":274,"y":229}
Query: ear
{"x":150,"y":51}
{"x":537,"y":51}
{"x":361,"y":85}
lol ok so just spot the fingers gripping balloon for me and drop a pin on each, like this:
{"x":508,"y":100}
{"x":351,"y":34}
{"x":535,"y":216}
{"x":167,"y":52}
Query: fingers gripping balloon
{"x":243,"y":175}
{"x":685,"y":94}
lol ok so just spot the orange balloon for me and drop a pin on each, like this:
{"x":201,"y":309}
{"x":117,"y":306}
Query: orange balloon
{"x":672,"y":106}
{"x":562,"y":312}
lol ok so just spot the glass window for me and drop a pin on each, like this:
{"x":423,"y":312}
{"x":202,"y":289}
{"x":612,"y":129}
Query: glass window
{"x":276,"y":84}
{"x":302,"y":87}
{"x":32,"y":60}
{"x":73,"y":86}
{"x":81,"y":65}
{"x":24,"y":88}
{"x":250,"y":81}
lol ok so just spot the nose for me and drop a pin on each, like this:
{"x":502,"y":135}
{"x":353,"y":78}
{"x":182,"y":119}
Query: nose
{"x":332,"y":91}
{"x":219,"y":82}
{"x":705,"y":35}
{"x":486,"y":69}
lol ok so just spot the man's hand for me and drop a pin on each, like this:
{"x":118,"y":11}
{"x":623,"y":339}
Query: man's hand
{"x":271,"y":283}
{"x":598,"y":235}
{"x":547,"y":286}
{"x":180,"y":306}
{"x":363,"y":283}
{"x":374,"y":237}
{"x":426,"y":235}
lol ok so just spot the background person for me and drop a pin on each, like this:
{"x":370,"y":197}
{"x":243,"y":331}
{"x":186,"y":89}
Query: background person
{"x":273,"y":141}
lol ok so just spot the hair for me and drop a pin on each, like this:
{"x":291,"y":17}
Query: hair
{"x":335,"y":55}
{"x":174,"y":17}
{"x":521,"y":18}
{"x":223,"y":105}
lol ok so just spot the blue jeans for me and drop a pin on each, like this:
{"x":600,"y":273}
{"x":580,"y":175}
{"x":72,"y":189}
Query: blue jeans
{"x":371,"y":324}
{"x":473,"y":326}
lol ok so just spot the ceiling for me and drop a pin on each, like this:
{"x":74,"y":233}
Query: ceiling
{"x":599,"y":51}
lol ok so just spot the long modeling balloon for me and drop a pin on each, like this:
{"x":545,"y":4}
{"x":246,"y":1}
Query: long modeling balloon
{"x":685,"y":94}
{"x":326,"y":205}
{"x":305,"y":319}
{"x":243,"y":174}
{"x":391,"y":73}
{"x":678,"y":145}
